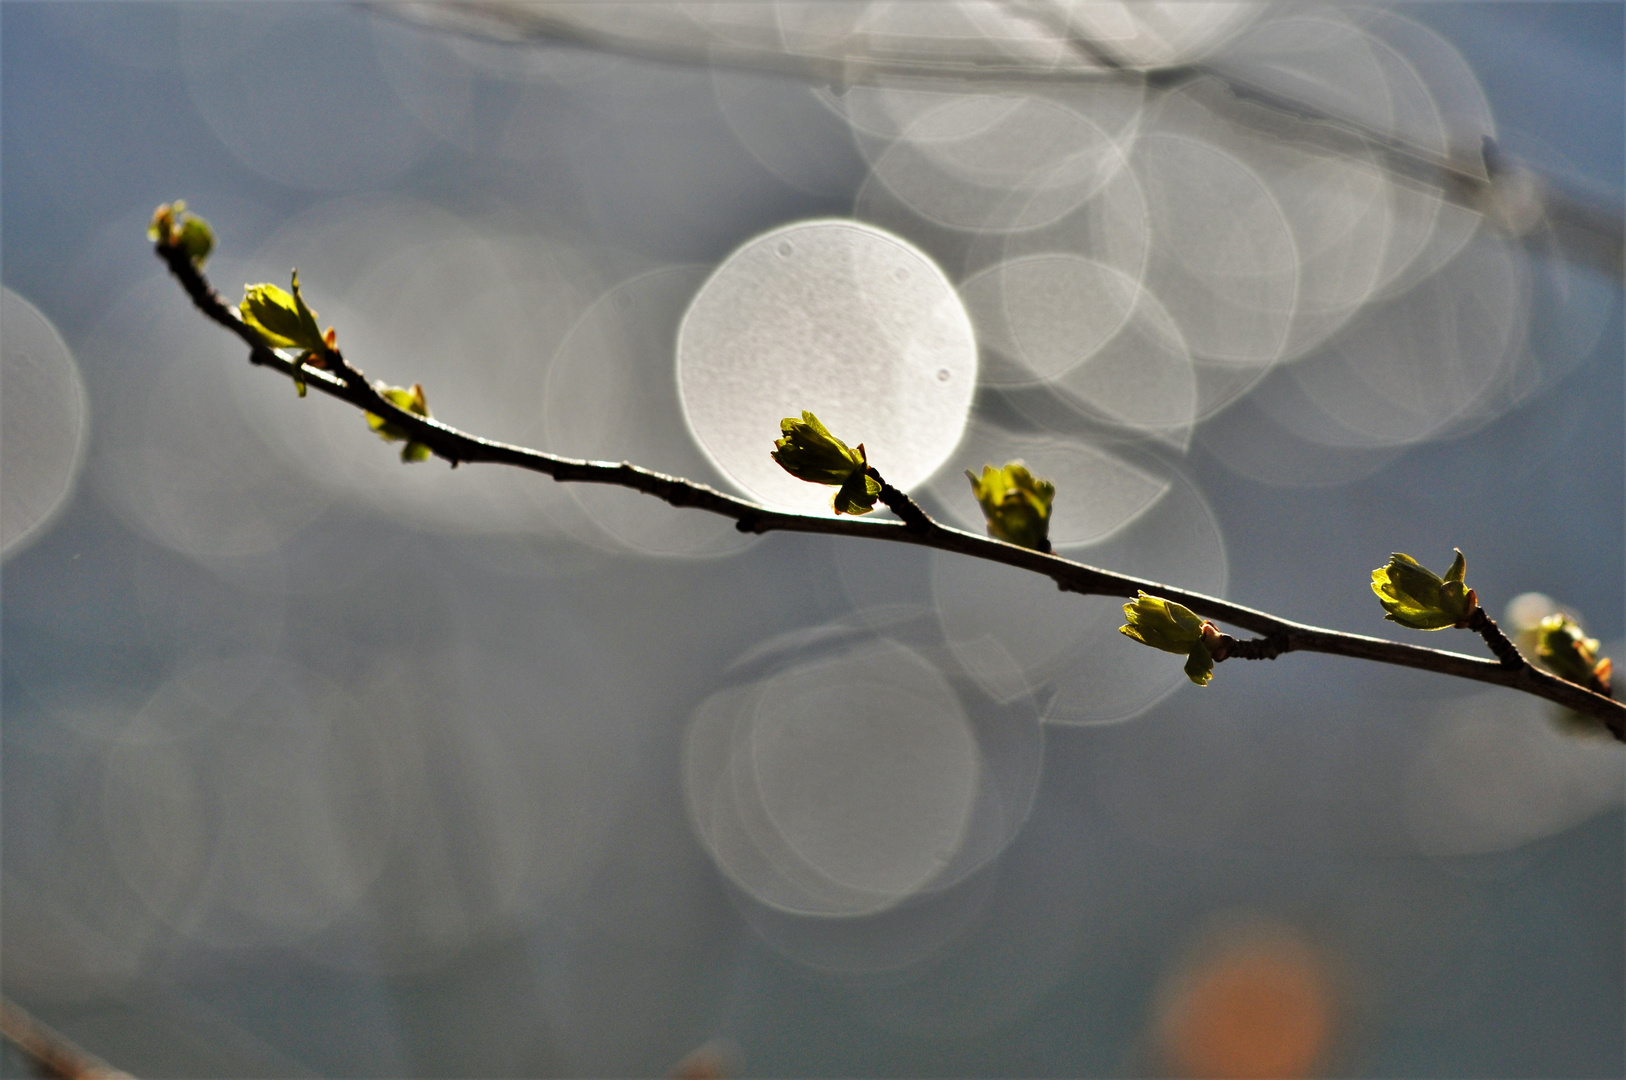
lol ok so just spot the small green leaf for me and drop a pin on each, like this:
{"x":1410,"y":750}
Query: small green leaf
{"x":310,"y":335}
{"x":1199,"y":665}
{"x":1015,"y":503}
{"x":1414,"y":596}
{"x":413,"y":401}
{"x":281,"y":319}
{"x":857,"y":495}
{"x":163,"y":220}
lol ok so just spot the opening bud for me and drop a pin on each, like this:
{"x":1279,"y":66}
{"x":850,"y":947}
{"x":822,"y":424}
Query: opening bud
{"x":1566,"y":651}
{"x":808,"y":451}
{"x":1174,"y":628}
{"x":1413,"y":595}
{"x":281,"y":319}
{"x":412,"y":401}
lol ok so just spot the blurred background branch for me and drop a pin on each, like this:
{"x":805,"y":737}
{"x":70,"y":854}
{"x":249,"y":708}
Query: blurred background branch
{"x":49,"y":1054}
{"x":1028,"y":45}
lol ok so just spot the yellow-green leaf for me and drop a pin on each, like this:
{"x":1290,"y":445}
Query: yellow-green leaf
{"x":163,"y":220}
{"x":1015,"y":503}
{"x":1199,"y":665}
{"x":857,"y":495}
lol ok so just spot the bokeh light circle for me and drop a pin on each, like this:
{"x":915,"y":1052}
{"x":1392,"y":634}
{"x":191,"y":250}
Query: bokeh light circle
{"x":839,"y":787}
{"x":838,"y":318}
{"x":611,"y":395}
{"x":327,"y":123}
{"x":42,"y":430}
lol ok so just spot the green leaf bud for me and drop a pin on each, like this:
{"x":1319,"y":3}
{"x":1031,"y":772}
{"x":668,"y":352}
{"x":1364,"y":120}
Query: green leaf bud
{"x":281,"y":319}
{"x":1015,"y":503}
{"x":1162,"y":624}
{"x":1414,"y":596}
{"x":197,"y":238}
{"x":1566,"y":651}
{"x":413,"y":401}
{"x":172,"y":226}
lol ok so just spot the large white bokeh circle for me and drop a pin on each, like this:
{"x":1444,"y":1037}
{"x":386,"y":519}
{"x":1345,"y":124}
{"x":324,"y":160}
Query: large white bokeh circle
{"x":43,"y":414}
{"x":838,"y":318}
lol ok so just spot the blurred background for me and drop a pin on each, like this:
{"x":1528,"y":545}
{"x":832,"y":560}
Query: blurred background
{"x":320,"y":764}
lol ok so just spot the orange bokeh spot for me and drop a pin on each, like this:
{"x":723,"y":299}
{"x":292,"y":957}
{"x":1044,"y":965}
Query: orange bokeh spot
{"x":716,"y":1060}
{"x":1258,"y":1006}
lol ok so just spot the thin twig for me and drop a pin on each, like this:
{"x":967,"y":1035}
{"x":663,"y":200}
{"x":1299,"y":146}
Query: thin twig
{"x":347,"y":384}
{"x":51,"y":1054}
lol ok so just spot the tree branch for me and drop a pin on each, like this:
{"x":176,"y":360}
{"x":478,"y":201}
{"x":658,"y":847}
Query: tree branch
{"x":339,"y":379}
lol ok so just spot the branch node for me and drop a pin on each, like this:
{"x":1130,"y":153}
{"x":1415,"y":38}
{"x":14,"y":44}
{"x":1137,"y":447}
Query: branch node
{"x":914,"y":518}
{"x":1225,"y":647}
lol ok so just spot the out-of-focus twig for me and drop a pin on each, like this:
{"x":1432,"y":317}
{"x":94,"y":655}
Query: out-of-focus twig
{"x":50,"y":1053}
{"x":1523,"y":202}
